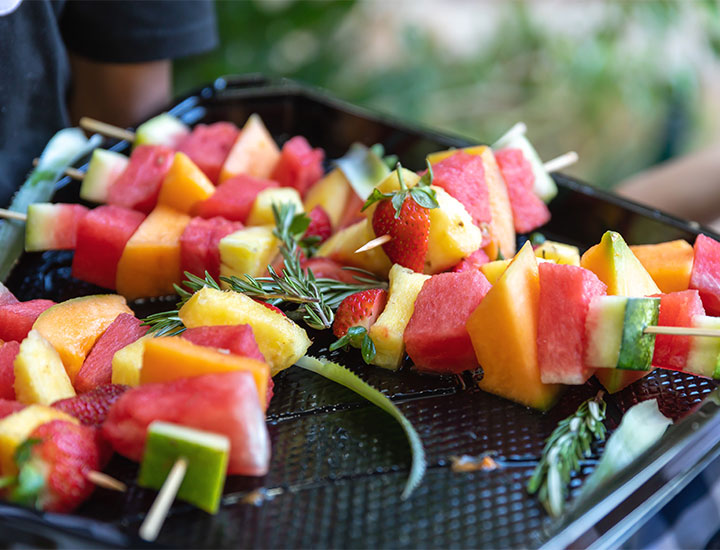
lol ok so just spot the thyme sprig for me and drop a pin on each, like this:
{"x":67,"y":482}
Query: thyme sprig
{"x":568,"y":444}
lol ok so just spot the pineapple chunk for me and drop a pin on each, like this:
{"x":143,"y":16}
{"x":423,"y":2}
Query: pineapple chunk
{"x":262,"y":213}
{"x":248,"y":251}
{"x":127,"y":363}
{"x":560,"y":252}
{"x":332,"y":193}
{"x":493,"y":270}
{"x":387,"y":332}
{"x":40,"y":376}
{"x":17,"y":427}
{"x":342,"y":245}
{"x":281,"y":341}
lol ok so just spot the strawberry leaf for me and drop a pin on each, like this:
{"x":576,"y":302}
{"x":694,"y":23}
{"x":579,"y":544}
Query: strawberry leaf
{"x":375,"y":196}
{"x":30,"y":484}
{"x":7,"y":481}
{"x":368,"y":349}
{"x":425,"y":197}
{"x":397,"y":202}
{"x":427,"y":178}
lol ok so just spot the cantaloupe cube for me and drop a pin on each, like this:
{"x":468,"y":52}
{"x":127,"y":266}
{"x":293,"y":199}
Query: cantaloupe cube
{"x":17,"y":427}
{"x":73,"y":326}
{"x":254,"y":152}
{"x":184,"y":185}
{"x":127,"y":363}
{"x":332,"y":193}
{"x":669,"y":263}
{"x":387,"y":332}
{"x":262,"y":212}
{"x":248,"y":251}
{"x":40,"y":376}
{"x":342,"y":245}
{"x":279,"y":339}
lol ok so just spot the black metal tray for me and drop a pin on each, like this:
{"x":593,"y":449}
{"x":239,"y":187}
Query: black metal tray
{"x":339,"y":464}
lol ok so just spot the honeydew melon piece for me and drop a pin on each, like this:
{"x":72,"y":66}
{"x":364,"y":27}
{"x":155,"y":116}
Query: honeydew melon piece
{"x":262,"y":211}
{"x":704,"y":355}
{"x":104,"y":168}
{"x":247,"y":252}
{"x":164,"y":129}
{"x":207,"y":458}
{"x":362,"y":168}
{"x":544,"y":186}
{"x":52,"y":226}
{"x":40,"y":376}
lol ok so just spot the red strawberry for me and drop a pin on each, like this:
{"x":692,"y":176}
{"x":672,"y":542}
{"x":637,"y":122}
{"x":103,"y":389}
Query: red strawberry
{"x":473,"y":262}
{"x":91,"y":408}
{"x":53,"y":464}
{"x":320,"y":224}
{"x":359,"y":310}
{"x":409,"y":232}
{"x":271,"y":307}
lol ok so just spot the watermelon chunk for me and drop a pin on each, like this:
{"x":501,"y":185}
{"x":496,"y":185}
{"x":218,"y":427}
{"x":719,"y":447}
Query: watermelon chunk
{"x":473,"y":262}
{"x":16,"y":320}
{"x":199,"y":250}
{"x":325,"y":268}
{"x":97,"y":367}
{"x":208,"y":146}
{"x":9,"y":406}
{"x":436,"y":338}
{"x":223,"y":403}
{"x":299,"y":166}
{"x":101,"y":238}
{"x":52,"y":226}
{"x":677,"y":309}
{"x":565,"y":295}
{"x":529,"y":211}
{"x":705,"y":275}
{"x":139,"y":185}
{"x":234,"y":198}
{"x":8,"y":351}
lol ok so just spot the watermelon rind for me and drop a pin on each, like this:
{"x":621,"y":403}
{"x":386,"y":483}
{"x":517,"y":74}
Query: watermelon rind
{"x":704,"y":355}
{"x":604,"y":330}
{"x":636,"y":349}
{"x":164,"y":129}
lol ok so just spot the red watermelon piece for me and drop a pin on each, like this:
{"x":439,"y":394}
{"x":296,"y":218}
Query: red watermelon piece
{"x":676,"y":310}
{"x":325,"y":268}
{"x":8,"y":351}
{"x":208,"y":146}
{"x":52,"y":226}
{"x":299,"y":165}
{"x":473,"y":262}
{"x":16,"y":320}
{"x":463,"y":177}
{"x":7,"y":297}
{"x":233,"y":199}
{"x":705,"y":274}
{"x":529,"y":211}
{"x":8,"y":407}
{"x":102,"y":236}
{"x":97,"y":367}
{"x":565,"y":295}
{"x":199,"y":245}
{"x":139,"y":184}
{"x":436,"y":338}
{"x":223,"y":403}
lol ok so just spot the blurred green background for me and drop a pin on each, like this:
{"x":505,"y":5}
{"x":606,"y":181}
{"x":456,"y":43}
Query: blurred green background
{"x":626,"y":84}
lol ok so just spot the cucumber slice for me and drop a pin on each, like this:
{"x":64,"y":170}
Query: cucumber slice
{"x":636,"y":349}
{"x":544,"y":186}
{"x":363,"y":169}
{"x":105,"y":167}
{"x":604,"y":331}
{"x":704,"y":355}
{"x":163,"y":129}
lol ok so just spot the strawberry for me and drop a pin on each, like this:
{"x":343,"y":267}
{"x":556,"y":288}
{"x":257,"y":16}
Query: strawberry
{"x":52,"y":464}
{"x":272,"y":307}
{"x":473,"y":262}
{"x":354,"y":317}
{"x":91,"y":408}
{"x":320,"y":225}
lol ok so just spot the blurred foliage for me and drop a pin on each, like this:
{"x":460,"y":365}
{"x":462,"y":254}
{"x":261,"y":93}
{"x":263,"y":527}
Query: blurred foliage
{"x":610,"y":89}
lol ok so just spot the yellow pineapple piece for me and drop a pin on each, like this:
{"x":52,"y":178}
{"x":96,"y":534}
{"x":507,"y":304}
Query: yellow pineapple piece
{"x":279,"y":339}
{"x":248,"y":251}
{"x":127,"y":363}
{"x":262,"y":213}
{"x":493,"y":270}
{"x":17,"y":427}
{"x":40,"y":376}
{"x":387,"y":332}
{"x":332,"y":193}
{"x":560,"y":252}
{"x":342,"y":245}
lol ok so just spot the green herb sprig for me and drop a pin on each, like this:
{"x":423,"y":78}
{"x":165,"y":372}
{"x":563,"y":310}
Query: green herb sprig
{"x":357,"y":337}
{"x":568,"y":444}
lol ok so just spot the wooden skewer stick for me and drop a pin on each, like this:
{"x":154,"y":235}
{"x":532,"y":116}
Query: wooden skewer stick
{"x":105,"y":481}
{"x":563,"y":161}
{"x":12,"y":215}
{"x":150,"y":528}
{"x":683,"y":331}
{"x":74,"y":173}
{"x":518,"y":129}
{"x":108,"y":130}
{"x":378,"y":241}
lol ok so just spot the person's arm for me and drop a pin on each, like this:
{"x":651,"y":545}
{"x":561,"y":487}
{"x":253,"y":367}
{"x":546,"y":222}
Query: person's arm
{"x":123,"y":94}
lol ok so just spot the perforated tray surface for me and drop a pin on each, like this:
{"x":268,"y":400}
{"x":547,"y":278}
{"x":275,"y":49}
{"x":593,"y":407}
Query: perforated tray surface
{"x":339,"y":464}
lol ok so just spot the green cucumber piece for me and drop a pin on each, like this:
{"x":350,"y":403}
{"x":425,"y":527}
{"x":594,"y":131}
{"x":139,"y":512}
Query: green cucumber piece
{"x":164,"y":129}
{"x":105,"y":167}
{"x":704,"y":355}
{"x":604,"y":330}
{"x":207,"y":455}
{"x":636,"y":350}
{"x":544,"y":186}
{"x":363,"y":169}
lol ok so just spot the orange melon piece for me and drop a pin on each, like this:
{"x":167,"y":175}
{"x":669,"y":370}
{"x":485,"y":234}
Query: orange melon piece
{"x":173,"y":357}
{"x":668,"y":263}
{"x":150,"y":262}
{"x":73,"y":326}
{"x":503,"y":331}
{"x":184,"y":185}
{"x":254,"y":152}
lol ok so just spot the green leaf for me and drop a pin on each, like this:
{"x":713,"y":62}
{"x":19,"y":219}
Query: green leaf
{"x":7,"y":481}
{"x":341,"y":375}
{"x":375,"y":196}
{"x":23,"y":452}
{"x":425,"y":197}
{"x":299,"y":224}
{"x":427,"y":178}
{"x":368,"y":349}
{"x":397,"y":202}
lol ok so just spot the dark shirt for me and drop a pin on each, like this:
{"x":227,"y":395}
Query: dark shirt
{"x":35,"y":70}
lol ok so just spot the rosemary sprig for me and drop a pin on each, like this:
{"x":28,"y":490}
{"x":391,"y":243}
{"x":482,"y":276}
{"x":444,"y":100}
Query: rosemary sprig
{"x":564,"y":449}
